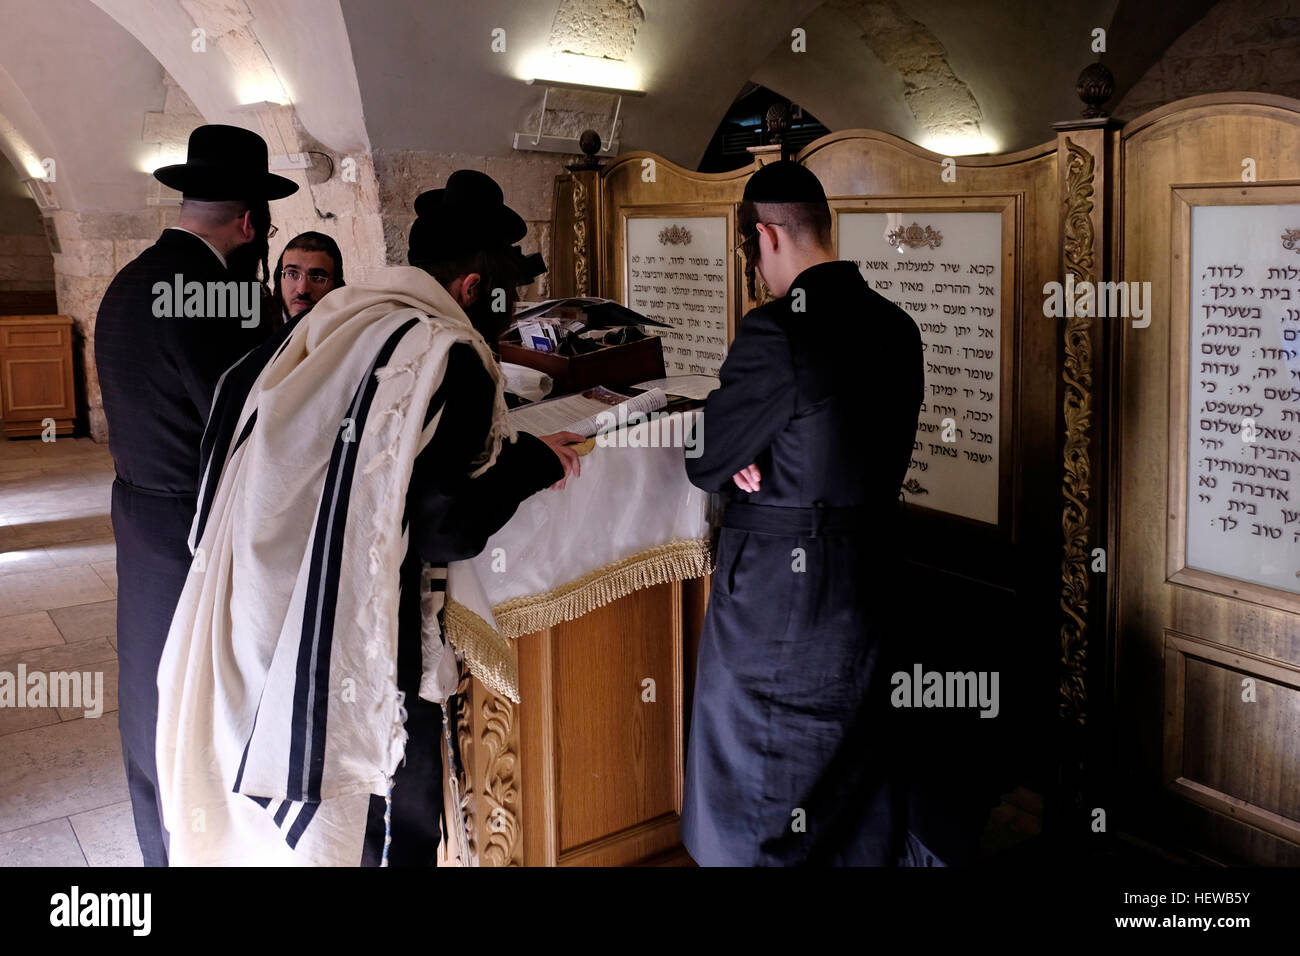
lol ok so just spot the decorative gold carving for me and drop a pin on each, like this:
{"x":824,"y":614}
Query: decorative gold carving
{"x":581,"y":267}
{"x":674,"y":235}
{"x":1077,"y":483}
{"x":500,"y":793}
{"x":1290,"y":239}
{"x":914,"y":237}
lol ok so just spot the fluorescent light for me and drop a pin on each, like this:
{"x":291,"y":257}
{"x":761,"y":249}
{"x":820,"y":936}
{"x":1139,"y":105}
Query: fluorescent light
{"x":576,"y":71}
{"x":959,"y":144}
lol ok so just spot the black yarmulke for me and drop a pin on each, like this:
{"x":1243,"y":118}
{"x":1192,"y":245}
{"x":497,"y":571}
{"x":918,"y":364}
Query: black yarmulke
{"x":784,"y":181}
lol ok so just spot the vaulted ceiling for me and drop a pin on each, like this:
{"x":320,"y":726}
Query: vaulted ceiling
{"x":78,"y":76}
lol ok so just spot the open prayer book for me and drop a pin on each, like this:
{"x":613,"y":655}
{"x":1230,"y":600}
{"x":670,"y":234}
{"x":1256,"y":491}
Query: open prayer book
{"x":584,"y":412}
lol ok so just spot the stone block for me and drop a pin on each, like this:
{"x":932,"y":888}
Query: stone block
{"x":1203,"y":74}
{"x":169,"y":129}
{"x":85,"y":257}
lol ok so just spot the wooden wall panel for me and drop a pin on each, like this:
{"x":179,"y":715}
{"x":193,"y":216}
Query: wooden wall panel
{"x":1200,"y":141}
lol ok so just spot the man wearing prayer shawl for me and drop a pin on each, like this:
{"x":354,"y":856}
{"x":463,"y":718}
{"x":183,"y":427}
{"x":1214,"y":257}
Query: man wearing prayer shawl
{"x":351,"y":466}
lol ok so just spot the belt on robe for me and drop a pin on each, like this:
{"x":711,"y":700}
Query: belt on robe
{"x":818,"y":521}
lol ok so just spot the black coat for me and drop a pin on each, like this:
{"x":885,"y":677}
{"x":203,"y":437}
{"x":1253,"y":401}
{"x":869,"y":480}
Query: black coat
{"x":157,"y":376}
{"x":785,"y":763}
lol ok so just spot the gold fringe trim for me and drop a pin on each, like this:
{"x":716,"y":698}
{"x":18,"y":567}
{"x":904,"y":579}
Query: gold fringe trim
{"x":674,"y":561}
{"x":491,"y":656}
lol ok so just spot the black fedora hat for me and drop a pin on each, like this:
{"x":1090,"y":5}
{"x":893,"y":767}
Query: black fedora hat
{"x":467,"y":215}
{"x":225,"y":162}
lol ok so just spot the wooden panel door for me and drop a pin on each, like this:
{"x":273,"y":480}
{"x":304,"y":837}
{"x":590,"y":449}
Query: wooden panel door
{"x":1207,"y":666}
{"x":36,"y":374}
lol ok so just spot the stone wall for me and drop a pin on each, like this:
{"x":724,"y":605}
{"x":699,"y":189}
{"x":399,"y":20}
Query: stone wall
{"x":1250,"y":45}
{"x":25,"y":263}
{"x":93,"y":247}
{"x":528,"y":183}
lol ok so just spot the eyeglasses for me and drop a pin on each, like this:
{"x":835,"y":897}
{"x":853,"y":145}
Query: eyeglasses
{"x":315,"y":277}
{"x":746,"y":241}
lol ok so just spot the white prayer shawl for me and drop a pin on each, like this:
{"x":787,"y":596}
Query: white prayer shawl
{"x":278,"y":712}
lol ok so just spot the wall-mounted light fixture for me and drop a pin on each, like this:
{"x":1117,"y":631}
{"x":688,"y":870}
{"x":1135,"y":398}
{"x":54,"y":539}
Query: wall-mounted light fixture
{"x":42,"y":191}
{"x":538,"y":139}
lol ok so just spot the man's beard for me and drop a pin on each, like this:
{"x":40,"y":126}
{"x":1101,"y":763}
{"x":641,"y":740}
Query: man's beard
{"x":488,"y":323}
{"x":244,"y":262}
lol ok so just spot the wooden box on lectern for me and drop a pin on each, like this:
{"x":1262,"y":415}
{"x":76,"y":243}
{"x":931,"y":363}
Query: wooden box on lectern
{"x":614,"y":366}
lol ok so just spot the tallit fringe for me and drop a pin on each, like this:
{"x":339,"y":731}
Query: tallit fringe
{"x":488,"y":652}
{"x":376,"y":620}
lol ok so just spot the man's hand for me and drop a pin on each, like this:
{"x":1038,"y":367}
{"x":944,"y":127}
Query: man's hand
{"x":559,"y":443}
{"x":748,"y":478}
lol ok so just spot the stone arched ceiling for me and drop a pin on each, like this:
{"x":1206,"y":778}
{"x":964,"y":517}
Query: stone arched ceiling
{"x":951,"y":75}
{"x":995,"y":74}
{"x":431,"y":80}
{"x":73,"y":88}
{"x":78,"y":76}
{"x":282,"y":51}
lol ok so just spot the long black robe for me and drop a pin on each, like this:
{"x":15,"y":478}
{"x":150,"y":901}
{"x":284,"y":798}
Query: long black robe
{"x":788,"y":755}
{"x":449,"y":517}
{"x":157,"y":376}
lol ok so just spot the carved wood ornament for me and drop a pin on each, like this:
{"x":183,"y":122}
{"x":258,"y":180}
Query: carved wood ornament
{"x":1077,"y":483}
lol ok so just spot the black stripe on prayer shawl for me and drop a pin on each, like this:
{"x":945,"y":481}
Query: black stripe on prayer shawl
{"x":228,"y":399}
{"x":311,"y":688}
{"x":300,"y":824}
{"x":282,"y":812}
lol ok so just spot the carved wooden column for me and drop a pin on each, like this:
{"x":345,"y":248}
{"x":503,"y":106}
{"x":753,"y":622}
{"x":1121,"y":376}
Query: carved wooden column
{"x":488,"y":737}
{"x":1086,"y":151}
{"x":574,"y":265}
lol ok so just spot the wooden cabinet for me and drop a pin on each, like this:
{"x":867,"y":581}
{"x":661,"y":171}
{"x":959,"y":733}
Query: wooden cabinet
{"x":588,"y":769}
{"x":36,"y":381}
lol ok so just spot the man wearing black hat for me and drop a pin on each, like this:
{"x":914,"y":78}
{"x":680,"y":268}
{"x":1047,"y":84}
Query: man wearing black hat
{"x":786,"y":762}
{"x":169,"y":325}
{"x":464,"y":236}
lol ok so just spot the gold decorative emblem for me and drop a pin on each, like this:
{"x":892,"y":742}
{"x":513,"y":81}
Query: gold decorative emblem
{"x":1289,"y":240}
{"x":674,"y":235}
{"x":914,"y":236}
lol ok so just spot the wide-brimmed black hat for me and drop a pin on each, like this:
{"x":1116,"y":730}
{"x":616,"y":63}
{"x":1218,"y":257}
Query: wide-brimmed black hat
{"x":225,"y":162}
{"x":467,"y":215}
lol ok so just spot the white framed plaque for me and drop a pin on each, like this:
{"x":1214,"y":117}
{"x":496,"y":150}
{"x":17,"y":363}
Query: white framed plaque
{"x":952,"y":272}
{"x":678,"y":269}
{"x":1235,"y":430}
